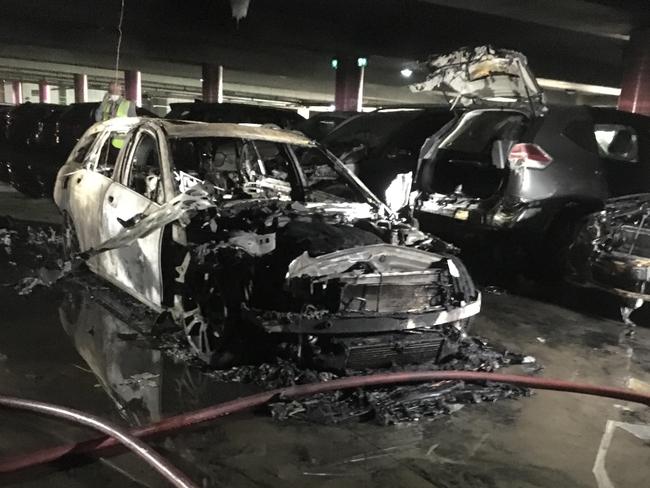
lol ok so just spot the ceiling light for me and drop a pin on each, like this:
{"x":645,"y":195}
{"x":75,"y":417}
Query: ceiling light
{"x":406,"y":72}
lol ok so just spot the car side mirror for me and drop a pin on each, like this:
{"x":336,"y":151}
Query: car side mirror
{"x":127,"y":224}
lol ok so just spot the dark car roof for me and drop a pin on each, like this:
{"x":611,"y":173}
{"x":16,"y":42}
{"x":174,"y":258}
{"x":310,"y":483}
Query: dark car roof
{"x":235,"y":113}
{"x":319,"y":125}
{"x":384,"y":123}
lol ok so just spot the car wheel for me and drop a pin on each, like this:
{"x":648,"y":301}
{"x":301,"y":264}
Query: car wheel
{"x":554,"y":263}
{"x":204,"y":325}
{"x":70,"y":242}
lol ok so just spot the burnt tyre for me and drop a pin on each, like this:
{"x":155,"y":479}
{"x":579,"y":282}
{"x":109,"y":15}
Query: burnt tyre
{"x":211,"y":303}
{"x":553,"y":260}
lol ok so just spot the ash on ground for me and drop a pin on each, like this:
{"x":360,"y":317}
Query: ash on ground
{"x":30,"y":255}
{"x":390,"y":404}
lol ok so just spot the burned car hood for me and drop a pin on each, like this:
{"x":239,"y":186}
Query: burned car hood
{"x":481,"y":75}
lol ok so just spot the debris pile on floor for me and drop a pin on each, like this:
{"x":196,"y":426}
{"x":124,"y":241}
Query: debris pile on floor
{"x":384,"y":405}
{"x":393,"y":405}
{"x":30,"y":256}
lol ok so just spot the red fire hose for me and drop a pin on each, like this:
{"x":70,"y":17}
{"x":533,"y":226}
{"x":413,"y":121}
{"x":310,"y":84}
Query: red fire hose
{"x":100,"y":445}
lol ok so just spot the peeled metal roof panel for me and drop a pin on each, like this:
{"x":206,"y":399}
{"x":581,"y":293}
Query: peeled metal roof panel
{"x":201,"y":129}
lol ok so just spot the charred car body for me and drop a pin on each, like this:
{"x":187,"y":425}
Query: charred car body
{"x":236,"y":229}
{"x":511,"y":163}
{"x":612,"y":249}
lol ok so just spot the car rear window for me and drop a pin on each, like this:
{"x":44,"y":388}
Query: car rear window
{"x":617,"y":141}
{"x":479,"y":130}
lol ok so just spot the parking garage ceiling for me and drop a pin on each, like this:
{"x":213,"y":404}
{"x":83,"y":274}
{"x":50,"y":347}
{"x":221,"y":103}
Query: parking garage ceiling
{"x":294,"y":44}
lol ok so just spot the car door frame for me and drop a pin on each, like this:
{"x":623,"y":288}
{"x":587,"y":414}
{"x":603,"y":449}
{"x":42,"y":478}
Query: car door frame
{"x":618,"y":172}
{"x":85,"y":212}
{"x":113,"y":260}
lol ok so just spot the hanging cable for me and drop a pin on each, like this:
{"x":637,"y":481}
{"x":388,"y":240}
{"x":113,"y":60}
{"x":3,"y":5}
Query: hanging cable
{"x":119,"y":43}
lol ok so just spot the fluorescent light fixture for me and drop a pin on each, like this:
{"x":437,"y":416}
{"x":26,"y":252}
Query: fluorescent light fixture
{"x":579,"y":87}
{"x":406,"y":72}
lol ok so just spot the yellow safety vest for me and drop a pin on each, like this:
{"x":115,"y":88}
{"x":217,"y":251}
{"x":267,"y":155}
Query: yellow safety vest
{"x":122,"y":111}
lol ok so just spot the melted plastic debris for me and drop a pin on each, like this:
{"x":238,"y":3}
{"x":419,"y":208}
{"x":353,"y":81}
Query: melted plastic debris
{"x":384,"y":405}
{"x":43,"y":277}
{"x":393,"y":405}
{"x":494,"y":290}
{"x":271,"y":375}
{"x":143,"y":380}
{"x":30,"y":255}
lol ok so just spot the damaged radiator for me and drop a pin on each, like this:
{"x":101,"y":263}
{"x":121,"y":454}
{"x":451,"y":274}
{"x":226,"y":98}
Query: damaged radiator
{"x":380,"y":351}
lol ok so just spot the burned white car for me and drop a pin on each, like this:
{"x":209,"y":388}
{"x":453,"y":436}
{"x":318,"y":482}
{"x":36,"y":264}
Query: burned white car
{"x":240,"y":231}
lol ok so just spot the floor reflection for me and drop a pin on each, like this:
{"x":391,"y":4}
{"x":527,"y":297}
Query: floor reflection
{"x":144,"y":385}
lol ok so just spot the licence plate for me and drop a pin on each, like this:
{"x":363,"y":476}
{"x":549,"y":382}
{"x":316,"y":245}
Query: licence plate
{"x":461,"y":214}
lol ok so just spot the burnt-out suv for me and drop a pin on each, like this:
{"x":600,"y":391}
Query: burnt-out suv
{"x":527,"y":167}
{"x":242,"y":231}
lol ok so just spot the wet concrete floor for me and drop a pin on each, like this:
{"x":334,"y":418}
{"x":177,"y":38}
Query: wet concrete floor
{"x":76,"y":349}
{"x":82,"y":348}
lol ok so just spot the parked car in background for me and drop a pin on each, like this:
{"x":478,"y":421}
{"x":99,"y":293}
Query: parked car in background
{"x":24,"y":123}
{"x":5,"y":111}
{"x":49,"y":133}
{"x":378,"y":146}
{"x":240,"y":230}
{"x":235,"y":113}
{"x":320,"y":124}
{"x":516,"y":164}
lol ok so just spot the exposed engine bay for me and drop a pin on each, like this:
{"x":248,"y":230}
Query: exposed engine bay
{"x":325,"y":277}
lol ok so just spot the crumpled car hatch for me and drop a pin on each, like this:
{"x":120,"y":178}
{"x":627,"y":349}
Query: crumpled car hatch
{"x":471,"y":75}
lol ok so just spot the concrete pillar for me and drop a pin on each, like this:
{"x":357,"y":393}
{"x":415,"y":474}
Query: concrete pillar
{"x":212,"y":76}
{"x":133,"y":86}
{"x":635,"y":86}
{"x":80,"y":88}
{"x":348,"y":93}
{"x":43,"y":92}
{"x":17,"y":89}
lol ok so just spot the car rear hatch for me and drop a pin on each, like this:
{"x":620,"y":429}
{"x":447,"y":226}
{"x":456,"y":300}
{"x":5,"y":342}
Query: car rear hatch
{"x":482,"y":76}
{"x":465,"y":168}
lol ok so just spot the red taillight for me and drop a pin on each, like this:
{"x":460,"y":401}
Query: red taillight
{"x":528,"y":156}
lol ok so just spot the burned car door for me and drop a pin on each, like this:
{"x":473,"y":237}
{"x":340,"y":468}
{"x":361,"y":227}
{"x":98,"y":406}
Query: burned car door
{"x":137,"y":190}
{"x":85,"y":187}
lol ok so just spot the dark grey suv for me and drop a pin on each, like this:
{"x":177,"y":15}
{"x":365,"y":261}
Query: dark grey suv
{"x":497,"y":169}
{"x":509,"y":162}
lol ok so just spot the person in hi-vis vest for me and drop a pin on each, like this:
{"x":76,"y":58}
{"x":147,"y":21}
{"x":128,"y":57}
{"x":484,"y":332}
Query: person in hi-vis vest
{"x":115,"y":105}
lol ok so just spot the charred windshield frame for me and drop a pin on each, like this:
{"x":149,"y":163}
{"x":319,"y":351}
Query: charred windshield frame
{"x":297,"y":179}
